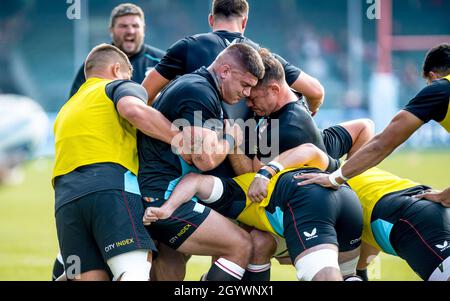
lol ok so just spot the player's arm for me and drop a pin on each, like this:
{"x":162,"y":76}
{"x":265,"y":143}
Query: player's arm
{"x":154,"y":82}
{"x":191,"y":185}
{"x":240,"y":163}
{"x":402,"y":126}
{"x":304,"y":155}
{"x":311,"y":88}
{"x":129,"y":99}
{"x":207,"y":149}
{"x":146,"y":119}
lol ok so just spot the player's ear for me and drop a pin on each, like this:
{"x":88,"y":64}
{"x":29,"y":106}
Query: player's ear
{"x":430,"y":77}
{"x":244,"y":23}
{"x":111,"y":33}
{"x":211,"y":20}
{"x":116,"y":70}
{"x":224,"y":71}
{"x":275,"y":88}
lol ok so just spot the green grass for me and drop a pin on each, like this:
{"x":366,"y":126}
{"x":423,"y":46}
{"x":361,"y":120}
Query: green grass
{"x":28,"y":243}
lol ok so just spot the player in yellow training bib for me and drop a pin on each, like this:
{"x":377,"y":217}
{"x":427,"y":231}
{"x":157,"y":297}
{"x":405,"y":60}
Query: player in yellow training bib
{"x":310,"y":218}
{"x":398,"y":223}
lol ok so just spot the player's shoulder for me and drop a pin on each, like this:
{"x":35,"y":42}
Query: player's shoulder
{"x":121,"y":82}
{"x":440,"y":86}
{"x":153,"y":52}
{"x":123,"y":87}
{"x":295,"y":110}
{"x":196,"y":83}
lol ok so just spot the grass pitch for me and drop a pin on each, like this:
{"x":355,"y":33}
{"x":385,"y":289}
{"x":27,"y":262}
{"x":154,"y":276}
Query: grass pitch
{"x":28,"y":243}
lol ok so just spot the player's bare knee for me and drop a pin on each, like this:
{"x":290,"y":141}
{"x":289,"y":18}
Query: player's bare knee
{"x":193,"y":178}
{"x":243,"y":247}
{"x":264,"y":246}
{"x":368,"y":126}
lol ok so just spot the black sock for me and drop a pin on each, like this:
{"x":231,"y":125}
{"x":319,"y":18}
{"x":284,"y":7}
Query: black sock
{"x":362,"y":274}
{"x":58,"y":269}
{"x":257,"y":273}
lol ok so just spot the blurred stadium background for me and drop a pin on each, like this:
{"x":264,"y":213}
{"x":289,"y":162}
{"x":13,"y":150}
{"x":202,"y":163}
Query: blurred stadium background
{"x":338,"y":42}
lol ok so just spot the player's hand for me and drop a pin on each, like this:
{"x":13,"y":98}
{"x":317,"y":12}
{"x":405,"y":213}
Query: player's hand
{"x":235,"y":131}
{"x":152,"y":214}
{"x":258,"y":190}
{"x":442,"y":197}
{"x":315,"y":178}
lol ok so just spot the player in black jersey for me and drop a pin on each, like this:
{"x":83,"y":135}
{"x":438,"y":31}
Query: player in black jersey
{"x":127,"y":29}
{"x":195,"y":101}
{"x":432,"y":103}
{"x":284,"y":124}
{"x":228,"y":21}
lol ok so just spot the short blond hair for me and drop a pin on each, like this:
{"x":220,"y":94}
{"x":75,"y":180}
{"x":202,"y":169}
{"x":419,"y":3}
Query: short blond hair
{"x":125,"y":9}
{"x":104,"y":55}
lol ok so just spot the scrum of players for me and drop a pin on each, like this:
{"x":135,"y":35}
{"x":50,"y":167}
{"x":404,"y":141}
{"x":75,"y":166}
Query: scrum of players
{"x":217,"y":154}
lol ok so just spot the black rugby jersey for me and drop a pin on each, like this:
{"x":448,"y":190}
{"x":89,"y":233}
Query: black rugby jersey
{"x":193,"y":52}
{"x":432,"y":103}
{"x":142,"y":63}
{"x":285,"y":129}
{"x":193,"y":98}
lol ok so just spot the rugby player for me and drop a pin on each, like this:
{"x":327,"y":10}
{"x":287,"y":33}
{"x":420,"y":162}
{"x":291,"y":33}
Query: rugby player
{"x":399,"y":223}
{"x":98,"y":207}
{"x":432,"y":103}
{"x":196,"y":98}
{"x":396,"y":221}
{"x":228,"y":20}
{"x":317,"y":223}
{"x":127,"y":30}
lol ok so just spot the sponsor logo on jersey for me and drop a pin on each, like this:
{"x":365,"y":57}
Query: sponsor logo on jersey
{"x":311,"y":235}
{"x":443,"y":247}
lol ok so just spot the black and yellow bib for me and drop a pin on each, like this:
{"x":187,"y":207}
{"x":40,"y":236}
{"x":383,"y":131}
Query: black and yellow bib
{"x":370,"y":187}
{"x":88,"y":130}
{"x":254,"y":214}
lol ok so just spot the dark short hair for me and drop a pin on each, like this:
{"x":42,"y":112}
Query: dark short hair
{"x":230,"y":8}
{"x":273,"y":68}
{"x":125,"y":9}
{"x":104,"y":54}
{"x":246,"y":57}
{"x":437,"y":60}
